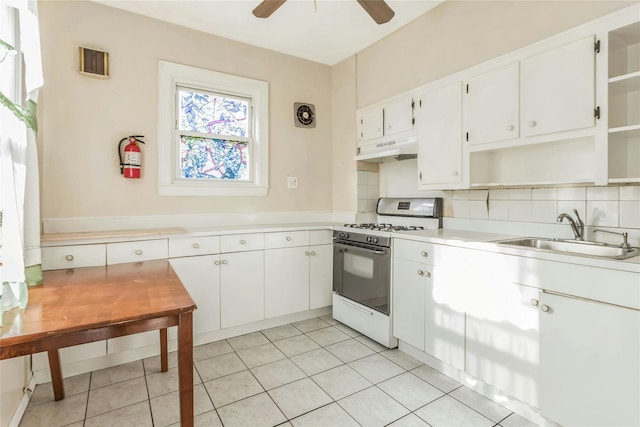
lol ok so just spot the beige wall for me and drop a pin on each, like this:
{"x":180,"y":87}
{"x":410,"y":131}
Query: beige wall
{"x":459,"y":34}
{"x":82,"y":119}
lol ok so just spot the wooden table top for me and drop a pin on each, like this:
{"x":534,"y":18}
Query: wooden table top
{"x":92,"y":297}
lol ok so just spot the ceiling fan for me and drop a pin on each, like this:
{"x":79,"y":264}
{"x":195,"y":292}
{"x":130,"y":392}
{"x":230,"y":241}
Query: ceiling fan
{"x":377,"y":9}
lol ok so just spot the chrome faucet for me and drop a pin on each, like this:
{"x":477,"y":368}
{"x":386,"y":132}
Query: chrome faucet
{"x":577,"y":226}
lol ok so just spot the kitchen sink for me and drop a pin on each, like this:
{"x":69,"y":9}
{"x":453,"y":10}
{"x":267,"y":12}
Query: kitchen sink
{"x":578,"y":247}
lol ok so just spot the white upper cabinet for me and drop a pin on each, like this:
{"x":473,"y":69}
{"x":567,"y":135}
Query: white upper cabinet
{"x":371,"y":124}
{"x":439,"y":132}
{"x":558,"y":89}
{"x":491,"y":105}
{"x":391,"y":118}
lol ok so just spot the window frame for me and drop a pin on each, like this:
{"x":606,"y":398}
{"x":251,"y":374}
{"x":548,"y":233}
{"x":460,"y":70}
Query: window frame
{"x":171,"y":76}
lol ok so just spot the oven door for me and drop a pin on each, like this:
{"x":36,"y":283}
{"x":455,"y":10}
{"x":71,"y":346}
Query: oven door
{"x":362,"y":274}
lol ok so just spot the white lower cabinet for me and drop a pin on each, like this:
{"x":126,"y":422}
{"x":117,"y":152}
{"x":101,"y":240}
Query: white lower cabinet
{"x":425,"y":312}
{"x":286,"y":280}
{"x":320,"y":276}
{"x":241,"y":288}
{"x":201,"y":277}
{"x":589,"y":362}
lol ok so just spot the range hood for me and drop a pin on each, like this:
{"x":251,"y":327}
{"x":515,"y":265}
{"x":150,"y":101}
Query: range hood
{"x":397,"y":149}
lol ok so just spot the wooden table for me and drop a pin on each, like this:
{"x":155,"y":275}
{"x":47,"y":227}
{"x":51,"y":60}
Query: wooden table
{"x":89,"y":304}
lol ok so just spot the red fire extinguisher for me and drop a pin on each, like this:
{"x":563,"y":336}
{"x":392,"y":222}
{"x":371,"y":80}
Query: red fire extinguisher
{"x":130,"y":167}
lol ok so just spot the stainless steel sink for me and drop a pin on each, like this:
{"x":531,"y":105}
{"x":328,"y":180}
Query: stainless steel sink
{"x":578,"y":247}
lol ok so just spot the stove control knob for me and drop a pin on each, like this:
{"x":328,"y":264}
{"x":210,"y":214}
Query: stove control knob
{"x":369,"y":239}
{"x":346,"y":235}
{"x":374,"y":240}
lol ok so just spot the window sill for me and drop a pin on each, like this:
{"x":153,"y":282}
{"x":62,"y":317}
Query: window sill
{"x":209,"y":190}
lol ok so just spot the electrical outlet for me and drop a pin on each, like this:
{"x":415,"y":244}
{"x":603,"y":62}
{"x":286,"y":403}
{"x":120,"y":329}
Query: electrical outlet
{"x":292,"y":182}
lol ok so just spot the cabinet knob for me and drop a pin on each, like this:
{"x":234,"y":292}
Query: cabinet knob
{"x":288,"y":239}
{"x":195,"y":246}
{"x":69,"y":257}
{"x":511,"y":127}
{"x":533,"y":124}
{"x":224,"y":261}
{"x":138,"y":252}
{"x":534,"y":302}
{"x":424,"y":273}
{"x":242,"y":242}
{"x":454,"y":173}
{"x":307,"y":253}
{"x":313,"y":253}
{"x":216,"y":262}
{"x":545,"y":308}
{"x":424,"y":254}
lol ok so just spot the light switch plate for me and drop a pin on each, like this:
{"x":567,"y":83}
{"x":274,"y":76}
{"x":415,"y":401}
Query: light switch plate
{"x":292,"y":182}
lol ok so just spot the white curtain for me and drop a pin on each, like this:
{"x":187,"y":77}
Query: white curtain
{"x":19,"y":178}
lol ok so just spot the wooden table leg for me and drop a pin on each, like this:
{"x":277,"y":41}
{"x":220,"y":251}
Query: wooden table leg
{"x":164,"y":351}
{"x":56,"y":374}
{"x":185,"y":368}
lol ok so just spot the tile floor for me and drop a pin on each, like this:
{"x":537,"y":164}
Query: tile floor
{"x":316,"y":372}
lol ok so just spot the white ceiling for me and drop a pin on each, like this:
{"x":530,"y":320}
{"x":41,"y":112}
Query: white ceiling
{"x":325,"y":31}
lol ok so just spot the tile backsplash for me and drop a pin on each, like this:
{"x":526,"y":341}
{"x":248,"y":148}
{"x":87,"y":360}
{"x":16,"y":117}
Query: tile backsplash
{"x":597,"y":206}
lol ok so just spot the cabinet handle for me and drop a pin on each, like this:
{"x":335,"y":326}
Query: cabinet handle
{"x":242,"y":242}
{"x":138,"y":252}
{"x":224,"y":261}
{"x":533,"y":124}
{"x":69,"y":257}
{"x":313,"y":253}
{"x":216,"y":262}
{"x":307,"y":253}
{"x":545,"y":308}
{"x":424,"y":273}
{"x":196,"y":246}
{"x":288,"y":239}
{"x":534,"y":302}
{"x":424,"y":254}
{"x":511,"y":127}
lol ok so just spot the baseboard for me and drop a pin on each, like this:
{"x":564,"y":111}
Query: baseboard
{"x":24,"y":402}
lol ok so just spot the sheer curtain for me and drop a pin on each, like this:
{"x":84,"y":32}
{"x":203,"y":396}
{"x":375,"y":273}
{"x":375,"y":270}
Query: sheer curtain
{"x":20,"y":75}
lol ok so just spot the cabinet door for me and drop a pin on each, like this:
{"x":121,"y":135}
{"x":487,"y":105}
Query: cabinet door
{"x":439,"y":131}
{"x":409,"y":288}
{"x":201,"y":277}
{"x":286,"y":281}
{"x":241,"y":288}
{"x":371,"y":124}
{"x":590,"y":362}
{"x":398,"y":116}
{"x":502,"y":337}
{"x":491,"y":105}
{"x":320,"y":276}
{"x":558,"y":89}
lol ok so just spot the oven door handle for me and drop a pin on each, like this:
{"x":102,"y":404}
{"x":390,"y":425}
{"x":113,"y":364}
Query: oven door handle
{"x":358,"y":248}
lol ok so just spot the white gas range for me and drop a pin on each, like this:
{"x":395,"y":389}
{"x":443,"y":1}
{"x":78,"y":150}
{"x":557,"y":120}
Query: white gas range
{"x":362,"y":264}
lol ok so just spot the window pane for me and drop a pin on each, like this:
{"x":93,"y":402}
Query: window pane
{"x":206,"y":158}
{"x":211,"y":113}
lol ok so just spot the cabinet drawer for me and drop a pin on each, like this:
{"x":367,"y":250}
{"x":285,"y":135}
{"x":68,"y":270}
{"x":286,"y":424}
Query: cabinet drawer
{"x":286,"y":239}
{"x":143,"y":250}
{"x":411,"y":250}
{"x":242,"y":242}
{"x":189,"y":246}
{"x":320,"y":237}
{"x":58,"y":257}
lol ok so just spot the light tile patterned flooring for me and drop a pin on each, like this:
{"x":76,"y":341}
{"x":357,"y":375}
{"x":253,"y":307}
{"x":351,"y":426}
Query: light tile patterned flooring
{"x":316,"y":372}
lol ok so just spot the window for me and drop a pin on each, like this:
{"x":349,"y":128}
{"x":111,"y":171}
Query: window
{"x":212,"y":133}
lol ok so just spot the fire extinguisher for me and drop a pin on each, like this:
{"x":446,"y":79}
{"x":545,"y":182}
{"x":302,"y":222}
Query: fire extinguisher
{"x":130,"y":167}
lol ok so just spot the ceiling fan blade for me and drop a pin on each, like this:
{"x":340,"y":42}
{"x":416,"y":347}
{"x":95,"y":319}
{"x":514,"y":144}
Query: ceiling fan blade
{"x":267,"y":7}
{"x":378,"y":10}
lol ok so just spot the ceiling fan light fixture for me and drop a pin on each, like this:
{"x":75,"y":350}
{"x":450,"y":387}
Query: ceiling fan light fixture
{"x":377,"y":9}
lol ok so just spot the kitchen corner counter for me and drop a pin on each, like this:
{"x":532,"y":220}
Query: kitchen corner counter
{"x":486,"y":242}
